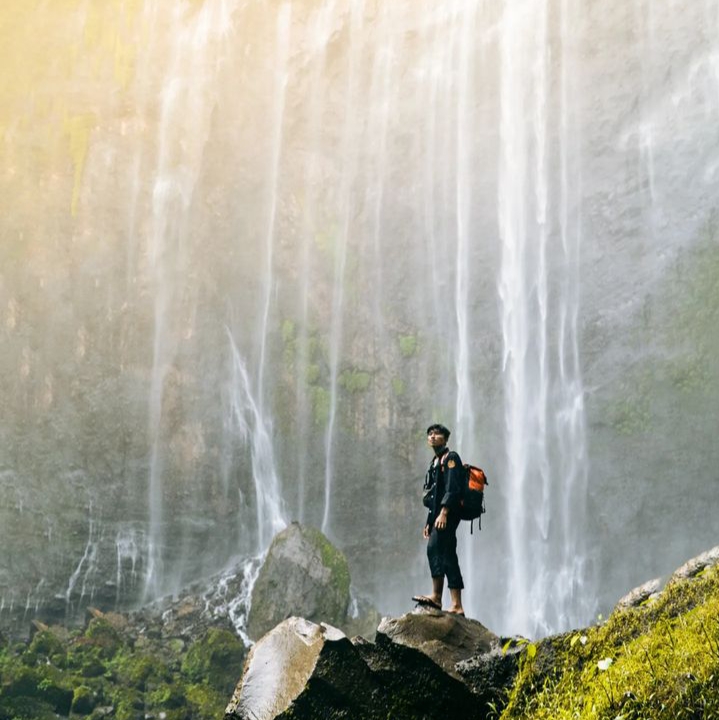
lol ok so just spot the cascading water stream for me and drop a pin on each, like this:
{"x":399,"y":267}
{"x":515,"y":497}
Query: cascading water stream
{"x":346,"y":204}
{"x":284,"y":18}
{"x":182,"y":134}
{"x":546,"y":461}
{"x":253,"y":428}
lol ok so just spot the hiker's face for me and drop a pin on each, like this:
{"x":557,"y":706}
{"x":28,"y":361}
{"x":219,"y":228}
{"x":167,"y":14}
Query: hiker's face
{"x":436,"y":439}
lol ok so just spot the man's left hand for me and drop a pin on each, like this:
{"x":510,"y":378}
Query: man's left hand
{"x":441,"y":522}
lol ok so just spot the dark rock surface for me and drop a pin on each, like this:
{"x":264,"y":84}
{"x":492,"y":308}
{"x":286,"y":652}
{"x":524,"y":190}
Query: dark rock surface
{"x":304,"y":670}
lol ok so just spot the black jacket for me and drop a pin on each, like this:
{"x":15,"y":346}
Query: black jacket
{"x":444,"y":483}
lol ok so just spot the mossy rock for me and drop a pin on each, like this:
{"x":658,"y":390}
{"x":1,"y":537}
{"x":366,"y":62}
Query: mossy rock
{"x":303,"y":575}
{"x":659,"y":660}
{"x":167,"y":696}
{"x":205,"y":702}
{"x":86,"y":658}
{"x":105,"y":636}
{"x":215,"y":659}
{"x":45,"y":644}
{"x":25,"y":708}
{"x":139,"y":670}
{"x":84,"y":700}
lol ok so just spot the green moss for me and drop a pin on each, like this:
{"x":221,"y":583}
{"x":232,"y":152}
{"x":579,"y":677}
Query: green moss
{"x":87,"y":658}
{"x":104,"y":636}
{"x":205,"y":702}
{"x":45,"y":684}
{"x":333,"y":559}
{"x":398,"y":386}
{"x":408,"y":345}
{"x":312,"y":374}
{"x":631,"y":414}
{"x":288,"y":331}
{"x":320,"y":405}
{"x":289,"y":343}
{"x":136,"y":683}
{"x":45,"y":644}
{"x":216,"y":659}
{"x":355,"y":381}
{"x":689,"y":373}
{"x":660,"y":661}
{"x":129,"y":707}
{"x":139,"y":670}
{"x":83,"y":700}
{"x":168,"y":695}
{"x":25,"y":708}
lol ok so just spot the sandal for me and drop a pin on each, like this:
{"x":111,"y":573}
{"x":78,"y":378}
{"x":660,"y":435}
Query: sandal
{"x":424,"y":600}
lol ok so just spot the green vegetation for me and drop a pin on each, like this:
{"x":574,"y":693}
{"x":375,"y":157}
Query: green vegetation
{"x":632,"y":414}
{"x":214,"y":660}
{"x":333,"y":559}
{"x":658,"y":661}
{"x":408,"y":345}
{"x":398,"y":386}
{"x":320,"y":405}
{"x":102,"y":673}
{"x":313,"y":374}
{"x":289,"y":341}
{"x":355,"y":381}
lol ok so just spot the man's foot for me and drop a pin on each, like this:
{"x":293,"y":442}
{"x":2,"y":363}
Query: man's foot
{"x":456,"y":611}
{"x":427,"y":601}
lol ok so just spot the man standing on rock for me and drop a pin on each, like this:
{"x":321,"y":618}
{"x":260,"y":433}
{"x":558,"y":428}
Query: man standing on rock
{"x":442,"y":495}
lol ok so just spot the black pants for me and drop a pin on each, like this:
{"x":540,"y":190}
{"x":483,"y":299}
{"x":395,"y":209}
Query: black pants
{"x":442,"y":554}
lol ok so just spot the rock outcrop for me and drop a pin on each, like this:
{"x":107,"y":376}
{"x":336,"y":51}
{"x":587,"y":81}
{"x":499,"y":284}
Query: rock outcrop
{"x":303,"y":670}
{"x":656,"y":656}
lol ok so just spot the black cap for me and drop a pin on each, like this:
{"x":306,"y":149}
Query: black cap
{"x":440,"y":429}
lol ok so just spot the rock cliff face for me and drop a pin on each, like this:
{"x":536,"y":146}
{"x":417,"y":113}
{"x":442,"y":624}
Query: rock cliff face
{"x":235,"y":237}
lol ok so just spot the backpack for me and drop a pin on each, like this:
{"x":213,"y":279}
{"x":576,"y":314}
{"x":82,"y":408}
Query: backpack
{"x":471,"y":506}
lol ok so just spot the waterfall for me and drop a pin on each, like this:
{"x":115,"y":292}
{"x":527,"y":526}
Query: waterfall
{"x":544,"y":416}
{"x":254,"y":429}
{"x":182,"y":134}
{"x":345,"y":211}
{"x":287,"y":236}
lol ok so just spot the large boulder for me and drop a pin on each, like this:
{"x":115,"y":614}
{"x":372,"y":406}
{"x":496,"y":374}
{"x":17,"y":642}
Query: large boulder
{"x":304,"y":575}
{"x":303,"y":671}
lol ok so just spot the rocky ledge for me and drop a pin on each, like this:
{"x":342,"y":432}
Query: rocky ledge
{"x":412,"y":670}
{"x":656,"y":656}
